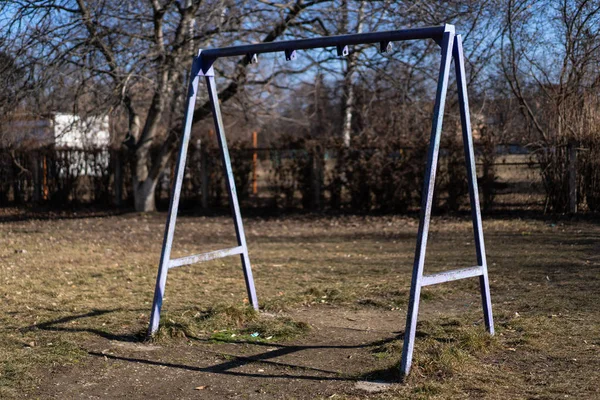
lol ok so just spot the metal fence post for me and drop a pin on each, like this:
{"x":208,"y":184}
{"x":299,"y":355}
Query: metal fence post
{"x":36,"y":176}
{"x":254,"y":162}
{"x":204,"y":175}
{"x":118,"y":177}
{"x":572,"y":168}
{"x":426,"y":203}
{"x":161,"y":278}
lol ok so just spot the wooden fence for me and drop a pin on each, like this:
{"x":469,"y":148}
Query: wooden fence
{"x":267,"y":177}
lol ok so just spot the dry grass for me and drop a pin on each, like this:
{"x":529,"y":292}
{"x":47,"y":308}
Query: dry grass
{"x":230,"y":323}
{"x":68,"y":284}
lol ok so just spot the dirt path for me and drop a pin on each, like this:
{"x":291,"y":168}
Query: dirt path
{"x":324,"y":363}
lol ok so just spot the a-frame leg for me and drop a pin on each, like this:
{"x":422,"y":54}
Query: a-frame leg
{"x":230,"y":183}
{"x":426,"y":203}
{"x":165,"y":256}
{"x":465,"y":119}
{"x":198,"y":70}
{"x":418,"y":279}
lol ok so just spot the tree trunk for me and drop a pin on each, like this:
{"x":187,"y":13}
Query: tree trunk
{"x":349,"y":78}
{"x":143,"y":195}
{"x":349,"y":103}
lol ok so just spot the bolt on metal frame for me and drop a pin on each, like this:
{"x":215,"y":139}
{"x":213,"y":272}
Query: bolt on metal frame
{"x":451,"y":48}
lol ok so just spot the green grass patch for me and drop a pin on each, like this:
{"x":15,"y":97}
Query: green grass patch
{"x":232,"y":324}
{"x":449,"y":346}
{"x":442,"y":348}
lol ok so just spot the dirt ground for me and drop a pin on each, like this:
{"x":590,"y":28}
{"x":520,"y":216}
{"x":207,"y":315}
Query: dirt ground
{"x":76,"y":292}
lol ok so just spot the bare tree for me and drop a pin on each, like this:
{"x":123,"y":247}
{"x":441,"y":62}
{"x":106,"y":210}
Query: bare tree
{"x":130,"y":59}
{"x":139,"y":53}
{"x":551,"y":60}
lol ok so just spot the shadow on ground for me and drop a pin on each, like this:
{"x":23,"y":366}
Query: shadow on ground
{"x":51,"y":326}
{"x":233,"y":360}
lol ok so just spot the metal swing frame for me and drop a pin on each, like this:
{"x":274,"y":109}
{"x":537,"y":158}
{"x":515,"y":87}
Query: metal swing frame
{"x":451,"y":48}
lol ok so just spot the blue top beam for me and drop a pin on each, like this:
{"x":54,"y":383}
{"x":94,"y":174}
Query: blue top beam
{"x":432,"y":32}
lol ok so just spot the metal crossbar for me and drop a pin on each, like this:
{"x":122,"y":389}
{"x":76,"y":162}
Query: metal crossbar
{"x":453,"y":275}
{"x":451,"y":46}
{"x":213,"y":255}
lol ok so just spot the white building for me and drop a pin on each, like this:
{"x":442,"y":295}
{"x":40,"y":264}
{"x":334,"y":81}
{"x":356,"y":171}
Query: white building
{"x":61,"y":130}
{"x":81,"y":144}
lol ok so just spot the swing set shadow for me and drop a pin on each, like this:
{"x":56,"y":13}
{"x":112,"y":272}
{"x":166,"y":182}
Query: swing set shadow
{"x":267,"y":358}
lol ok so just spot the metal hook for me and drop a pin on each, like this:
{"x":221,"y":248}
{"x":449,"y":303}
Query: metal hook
{"x":385,"y":47}
{"x":342,"y":51}
{"x":290,"y":55}
{"x":251,"y":58}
